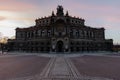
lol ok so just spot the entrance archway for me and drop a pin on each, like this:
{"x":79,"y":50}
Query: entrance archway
{"x":59,"y":46}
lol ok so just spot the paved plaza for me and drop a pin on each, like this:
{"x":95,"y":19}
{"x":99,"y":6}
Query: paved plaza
{"x":16,"y":66}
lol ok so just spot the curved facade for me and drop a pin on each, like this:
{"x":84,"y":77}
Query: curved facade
{"x":60,"y":33}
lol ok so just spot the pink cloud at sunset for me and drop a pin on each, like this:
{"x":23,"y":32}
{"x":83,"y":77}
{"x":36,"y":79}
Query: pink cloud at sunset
{"x":2,"y":18}
{"x":15,"y":5}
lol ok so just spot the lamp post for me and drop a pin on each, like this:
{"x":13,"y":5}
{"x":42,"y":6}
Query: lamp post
{"x":1,"y":48}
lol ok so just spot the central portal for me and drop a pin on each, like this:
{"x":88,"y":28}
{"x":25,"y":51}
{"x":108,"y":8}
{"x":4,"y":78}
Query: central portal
{"x":59,"y":46}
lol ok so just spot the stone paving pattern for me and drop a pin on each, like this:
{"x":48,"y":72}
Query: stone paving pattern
{"x":12,"y":66}
{"x":58,"y":67}
{"x":100,"y":66}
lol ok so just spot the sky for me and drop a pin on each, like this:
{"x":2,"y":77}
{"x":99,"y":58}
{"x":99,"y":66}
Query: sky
{"x":97,"y":13}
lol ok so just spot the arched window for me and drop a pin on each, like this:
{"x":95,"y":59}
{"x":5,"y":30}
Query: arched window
{"x":48,"y":33}
{"x":43,"y":33}
{"x":59,"y":34}
{"x":92,"y":34}
{"x":77,"y":33}
{"x":71,"y":32}
{"x":85,"y":34}
{"x":39,"y":32}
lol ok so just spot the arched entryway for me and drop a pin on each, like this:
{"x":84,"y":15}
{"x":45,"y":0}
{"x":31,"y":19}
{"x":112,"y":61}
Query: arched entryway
{"x":59,"y":46}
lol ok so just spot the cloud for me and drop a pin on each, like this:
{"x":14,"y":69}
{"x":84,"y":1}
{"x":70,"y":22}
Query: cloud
{"x":2,"y":18}
{"x":15,"y":5}
{"x":15,"y":18}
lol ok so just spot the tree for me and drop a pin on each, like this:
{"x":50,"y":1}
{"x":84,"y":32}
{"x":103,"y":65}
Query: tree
{"x":4,"y":40}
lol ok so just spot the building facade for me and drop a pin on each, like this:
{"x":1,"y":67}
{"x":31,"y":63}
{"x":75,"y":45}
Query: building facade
{"x":60,"y":33}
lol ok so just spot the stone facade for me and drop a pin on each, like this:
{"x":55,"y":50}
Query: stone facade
{"x":60,"y":33}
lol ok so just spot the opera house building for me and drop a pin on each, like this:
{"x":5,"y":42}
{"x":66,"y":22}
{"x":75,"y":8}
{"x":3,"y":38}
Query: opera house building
{"x":60,"y":32}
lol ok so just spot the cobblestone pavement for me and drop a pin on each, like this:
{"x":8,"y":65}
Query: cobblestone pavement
{"x":60,"y":68}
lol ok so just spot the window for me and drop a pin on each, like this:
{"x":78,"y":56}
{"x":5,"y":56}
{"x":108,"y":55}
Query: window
{"x":43,"y":33}
{"x":92,"y":34}
{"x":60,"y":34}
{"x":48,"y":48}
{"x":48,"y":33}
{"x":71,"y":48}
{"x":71,"y":32}
{"x":39,"y":32}
{"x":72,"y":43}
{"x":42,"y":43}
{"x":48,"y":43}
{"x":77,"y":33}
{"x":53,"y":39}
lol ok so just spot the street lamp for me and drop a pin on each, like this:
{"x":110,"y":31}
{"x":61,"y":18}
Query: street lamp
{"x":1,"y":46}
